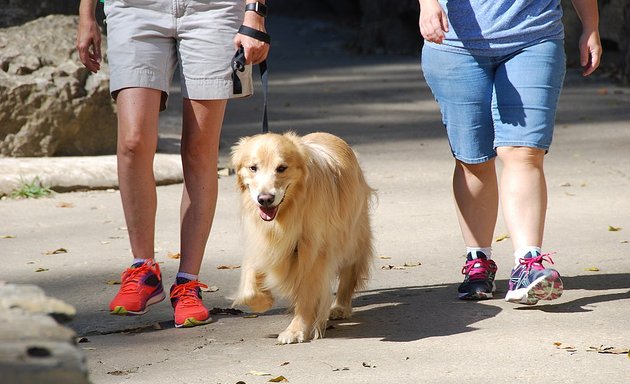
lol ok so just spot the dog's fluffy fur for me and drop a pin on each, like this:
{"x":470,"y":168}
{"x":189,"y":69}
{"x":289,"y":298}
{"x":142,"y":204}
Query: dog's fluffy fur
{"x":305,"y":212}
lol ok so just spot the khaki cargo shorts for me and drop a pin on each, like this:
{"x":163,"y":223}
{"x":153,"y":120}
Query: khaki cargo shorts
{"x":147,"y":39}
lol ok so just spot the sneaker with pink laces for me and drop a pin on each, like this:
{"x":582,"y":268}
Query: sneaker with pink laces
{"x":479,"y":278}
{"x":141,"y":286}
{"x":186,"y":301}
{"x":530,"y":281}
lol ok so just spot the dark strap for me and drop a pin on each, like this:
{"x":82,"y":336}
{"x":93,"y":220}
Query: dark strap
{"x":238,"y":65}
{"x":254,"y":33}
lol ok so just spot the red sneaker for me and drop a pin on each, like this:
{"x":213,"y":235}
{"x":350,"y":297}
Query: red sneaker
{"x":186,"y":301}
{"x":141,"y":286}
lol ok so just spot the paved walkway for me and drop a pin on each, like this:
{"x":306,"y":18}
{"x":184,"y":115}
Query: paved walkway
{"x":408,"y":326}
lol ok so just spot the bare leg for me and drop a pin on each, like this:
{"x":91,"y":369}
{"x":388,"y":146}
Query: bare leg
{"x":138,"y":110}
{"x":202,"y":121}
{"x":476,"y":197}
{"x":523,"y":194}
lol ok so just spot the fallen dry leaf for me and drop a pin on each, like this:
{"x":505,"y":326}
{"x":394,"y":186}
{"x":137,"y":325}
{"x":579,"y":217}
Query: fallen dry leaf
{"x":567,"y":347}
{"x":410,"y":265}
{"x":7,"y":236}
{"x":112,"y":282}
{"x":592,"y":269}
{"x":611,"y":350}
{"x":250,"y":316}
{"x":613,"y":229}
{"x":279,"y":379}
{"x":41,"y":270}
{"x":258,"y":373}
{"x":57,"y":251}
{"x":173,"y":255}
{"x":502,"y":237}
{"x":63,"y":204}
{"x":384,"y":257}
{"x":228,"y":267}
{"x":285,"y":363}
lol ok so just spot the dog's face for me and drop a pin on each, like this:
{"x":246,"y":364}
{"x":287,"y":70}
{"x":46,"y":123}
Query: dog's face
{"x":269,"y":167}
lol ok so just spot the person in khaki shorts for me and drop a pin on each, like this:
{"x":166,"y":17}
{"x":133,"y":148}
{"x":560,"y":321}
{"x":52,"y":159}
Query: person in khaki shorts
{"x":146,"y":40}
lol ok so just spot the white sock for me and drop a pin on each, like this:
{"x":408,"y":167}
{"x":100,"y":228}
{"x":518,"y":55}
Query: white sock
{"x":487,"y":251}
{"x":187,"y":276}
{"x":521,"y":252}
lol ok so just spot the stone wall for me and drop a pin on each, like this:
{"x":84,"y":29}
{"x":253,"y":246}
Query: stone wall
{"x":50,"y":105}
{"x":35,"y":348}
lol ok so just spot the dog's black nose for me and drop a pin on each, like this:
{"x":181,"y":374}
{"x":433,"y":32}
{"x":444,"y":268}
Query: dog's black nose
{"x":266,"y":199}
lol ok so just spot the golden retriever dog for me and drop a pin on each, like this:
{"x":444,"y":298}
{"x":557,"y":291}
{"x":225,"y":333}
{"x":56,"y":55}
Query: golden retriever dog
{"x":304,"y":207}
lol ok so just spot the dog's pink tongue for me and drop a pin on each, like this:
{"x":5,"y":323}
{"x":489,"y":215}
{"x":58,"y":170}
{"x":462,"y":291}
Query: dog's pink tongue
{"x":268,"y":214}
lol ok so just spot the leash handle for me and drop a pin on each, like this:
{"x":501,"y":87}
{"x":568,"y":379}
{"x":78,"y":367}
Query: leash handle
{"x":238,"y":65}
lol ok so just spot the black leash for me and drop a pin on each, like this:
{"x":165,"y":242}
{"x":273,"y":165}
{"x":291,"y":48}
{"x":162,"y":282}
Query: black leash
{"x":238,"y":65}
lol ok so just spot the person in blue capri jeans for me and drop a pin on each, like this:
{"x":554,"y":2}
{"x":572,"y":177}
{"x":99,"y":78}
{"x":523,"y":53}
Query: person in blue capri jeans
{"x":496,"y":69}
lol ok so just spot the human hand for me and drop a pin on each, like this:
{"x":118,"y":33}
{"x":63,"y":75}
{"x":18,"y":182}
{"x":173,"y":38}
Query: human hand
{"x":590,"y":51}
{"x":433,"y":21}
{"x":255,"y":50}
{"x":89,"y":43}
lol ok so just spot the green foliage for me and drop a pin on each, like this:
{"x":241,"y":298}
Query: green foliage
{"x":31,"y":190}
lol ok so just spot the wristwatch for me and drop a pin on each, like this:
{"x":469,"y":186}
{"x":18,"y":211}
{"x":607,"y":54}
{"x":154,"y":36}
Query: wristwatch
{"x":259,"y":8}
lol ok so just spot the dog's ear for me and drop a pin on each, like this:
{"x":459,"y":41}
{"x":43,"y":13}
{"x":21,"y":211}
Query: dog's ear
{"x":237,"y":153}
{"x":237,"y":157}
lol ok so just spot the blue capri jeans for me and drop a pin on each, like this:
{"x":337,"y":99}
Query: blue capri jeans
{"x":495,"y":101}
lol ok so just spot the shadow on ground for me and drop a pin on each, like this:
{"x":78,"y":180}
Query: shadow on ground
{"x":393,"y":314}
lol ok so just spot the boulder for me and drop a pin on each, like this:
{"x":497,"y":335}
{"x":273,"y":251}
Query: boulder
{"x":50,"y":105}
{"x":35,"y":348}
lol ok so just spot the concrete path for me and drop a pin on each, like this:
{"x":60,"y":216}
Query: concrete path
{"x":408,"y":326}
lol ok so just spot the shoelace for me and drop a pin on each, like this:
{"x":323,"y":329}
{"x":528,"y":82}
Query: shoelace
{"x":186,"y":294}
{"x":531,"y":262}
{"x":469,"y":267}
{"x":131,"y":277}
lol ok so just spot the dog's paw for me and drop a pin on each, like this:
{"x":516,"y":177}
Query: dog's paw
{"x":290,"y":336}
{"x":257,"y":302}
{"x":338,"y":312}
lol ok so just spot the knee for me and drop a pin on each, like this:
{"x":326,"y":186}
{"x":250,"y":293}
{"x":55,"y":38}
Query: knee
{"x":135,"y":147}
{"x":523,"y":156}
{"x":479,"y":170}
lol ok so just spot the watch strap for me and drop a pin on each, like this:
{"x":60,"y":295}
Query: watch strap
{"x":259,"y":8}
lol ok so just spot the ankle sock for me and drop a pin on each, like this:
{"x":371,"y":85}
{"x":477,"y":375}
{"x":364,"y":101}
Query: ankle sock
{"x":138,"y":262}
{"x":476,"y":252}
{"x":183,"y":277}
{"x":523,"y":251}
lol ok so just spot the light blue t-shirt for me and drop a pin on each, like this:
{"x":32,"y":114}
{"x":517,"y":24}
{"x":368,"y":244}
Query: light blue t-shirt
{"x":495,"y":28}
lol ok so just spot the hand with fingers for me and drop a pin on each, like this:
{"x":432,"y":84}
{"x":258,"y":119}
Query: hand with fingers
{"x":89,"y":36}
{"x":433,"y":21}
{"x":255,"y":46}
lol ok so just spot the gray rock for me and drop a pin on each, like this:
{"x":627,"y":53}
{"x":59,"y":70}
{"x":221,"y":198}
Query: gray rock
{"x":50,"y":105}
{"x":35,"y":348}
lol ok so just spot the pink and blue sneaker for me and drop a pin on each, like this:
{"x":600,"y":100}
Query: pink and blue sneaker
{"x":479,"y":278}
{"x":530,"y":281}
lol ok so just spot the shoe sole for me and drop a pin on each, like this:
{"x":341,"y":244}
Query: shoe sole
{"x":192,"y":322}
{"x":478,"y":295}
{"x":542,"y":288}
{"x":475,"y":296}
{"x":122,"y":311}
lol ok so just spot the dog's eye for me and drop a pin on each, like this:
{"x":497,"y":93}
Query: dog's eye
{"x":253,"y":168}
{"x":281,"y":168}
